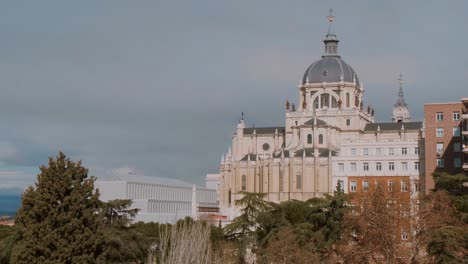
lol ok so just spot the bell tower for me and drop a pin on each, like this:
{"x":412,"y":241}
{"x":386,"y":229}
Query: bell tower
{"x":401,"y":113}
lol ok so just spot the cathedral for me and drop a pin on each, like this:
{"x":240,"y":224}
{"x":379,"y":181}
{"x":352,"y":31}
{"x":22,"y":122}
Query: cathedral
{"x":330,"y":139}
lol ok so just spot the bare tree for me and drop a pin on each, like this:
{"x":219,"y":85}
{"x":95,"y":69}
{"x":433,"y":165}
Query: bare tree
{"x":187,"y":242}
{"x":373,"y":230}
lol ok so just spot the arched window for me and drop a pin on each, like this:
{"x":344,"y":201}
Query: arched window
{"x":320,"y":139}
{"x":244,"y":182}
{"x":334,"y":103}
{"x":325,"y":100}
{"x":309,"y":139}
{"x":347,"y":100}
{"x":316,"y":103}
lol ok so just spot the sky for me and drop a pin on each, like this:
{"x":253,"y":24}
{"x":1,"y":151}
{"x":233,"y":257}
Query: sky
{"x":156,"y":88}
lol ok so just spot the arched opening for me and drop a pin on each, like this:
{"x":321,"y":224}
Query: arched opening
{"x":325,"y":100}
{"x":316,"y":103}
{"x":347,"y":100}
{"x":309,"y":139}
{"x":320,"y":140}
{"x":334,"y":102}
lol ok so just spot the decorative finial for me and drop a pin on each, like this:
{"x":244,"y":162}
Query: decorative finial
{"x":400,"y":79}
{"x":242,"y":116}
{"x":331,"y":18}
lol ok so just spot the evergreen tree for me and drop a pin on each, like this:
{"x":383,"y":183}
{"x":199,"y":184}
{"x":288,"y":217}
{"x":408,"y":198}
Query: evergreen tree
{"x":58,"y":221}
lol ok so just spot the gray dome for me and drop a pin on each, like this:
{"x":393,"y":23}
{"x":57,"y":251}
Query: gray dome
{"x":329,"y":69}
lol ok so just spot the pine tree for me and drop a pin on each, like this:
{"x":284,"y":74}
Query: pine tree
{"x":58,"y":221}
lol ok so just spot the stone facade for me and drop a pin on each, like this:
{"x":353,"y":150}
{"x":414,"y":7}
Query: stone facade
{"x":329,"y":137}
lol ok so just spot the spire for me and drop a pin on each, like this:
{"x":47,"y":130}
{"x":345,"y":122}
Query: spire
{"x":400,"y":109}
{"x":401,"y":99}
{"x":331,"y":41}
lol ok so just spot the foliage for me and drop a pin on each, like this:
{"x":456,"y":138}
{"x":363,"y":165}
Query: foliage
{"x":124,"y":243}
{"x":117,"y":212}
{"x":373,"y":229}
{"x":57,"y":221}
{"x":311,"y":228}
{"x":8,"y":238}
{"x":442,"y":231}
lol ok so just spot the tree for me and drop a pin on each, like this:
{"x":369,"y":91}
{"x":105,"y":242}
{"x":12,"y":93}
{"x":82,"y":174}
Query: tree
{"x":441,"y":231}
{"x":58,"y":221}
{"x":372,"y":230}
{"x":117,"y":212}
{"x":242,"y":229}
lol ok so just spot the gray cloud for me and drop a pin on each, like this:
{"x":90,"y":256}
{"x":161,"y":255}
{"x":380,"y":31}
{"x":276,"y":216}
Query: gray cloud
{"x":158,"y":87}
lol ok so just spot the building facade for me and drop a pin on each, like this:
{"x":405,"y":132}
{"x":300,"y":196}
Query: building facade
{"x":329,"y":138}
{"x":465,"y":134}
{"x":443,"y":139}
{"x":160,"y":201}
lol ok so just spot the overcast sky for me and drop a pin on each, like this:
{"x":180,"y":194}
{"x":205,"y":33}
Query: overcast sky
{"x":157,"y":88}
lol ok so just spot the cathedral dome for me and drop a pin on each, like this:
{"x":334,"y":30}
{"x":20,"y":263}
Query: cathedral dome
{"x":330,"y":68}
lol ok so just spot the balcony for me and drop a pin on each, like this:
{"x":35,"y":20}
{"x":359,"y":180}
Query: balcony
{"x":465,"y":166}
{"x":465,"y":149}
{"x":465,"y":116}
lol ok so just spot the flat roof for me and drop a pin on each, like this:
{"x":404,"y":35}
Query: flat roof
{"x":442,"y":103}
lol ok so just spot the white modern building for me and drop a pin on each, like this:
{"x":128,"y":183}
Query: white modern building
{"x":159,"y":200}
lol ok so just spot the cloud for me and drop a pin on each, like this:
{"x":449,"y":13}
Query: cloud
{"x":16,"y":178}
{"x":385,"y":69}
{"x":275,"y":64}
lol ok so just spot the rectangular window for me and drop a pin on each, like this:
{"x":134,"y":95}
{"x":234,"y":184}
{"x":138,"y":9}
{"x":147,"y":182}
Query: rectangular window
{"x":456,"y":147}
{"x":341,"y":183}
{"x":416,"y":151}
{"x":391,"y":151}
{"x":365,"y":186}
{"x":440,"y":163}
{"x":404,"y":151}
{"x":366,"y":166}
{"x":341,"y":167}
{"x":353,"y":186}
{"x":439,"y":132}
{"x":439,"y":148}
{"x":378,"y":151}
{"x":457,"y":163}
{"x":416,"y":165}
{"x":404,"y":166}
{"x":391,"y":166}
{"x":353,"y":166}
{"x":348,"y":122}
{"x":404,"y":186}
{"x":366,"y":152}
{"x":456,"y":131}
{"x":378,"y":166}
{"x":456,"y":116}
{"x":299,"y":181}
{"x":391,"y":183}
{"x":353,"y":152}
{"x":244,"y":182}
{"x":439,"y":116}
{"x":281,"y":180}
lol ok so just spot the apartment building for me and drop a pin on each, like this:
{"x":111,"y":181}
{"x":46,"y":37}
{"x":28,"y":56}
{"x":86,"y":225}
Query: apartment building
{"x":444,"y":144}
